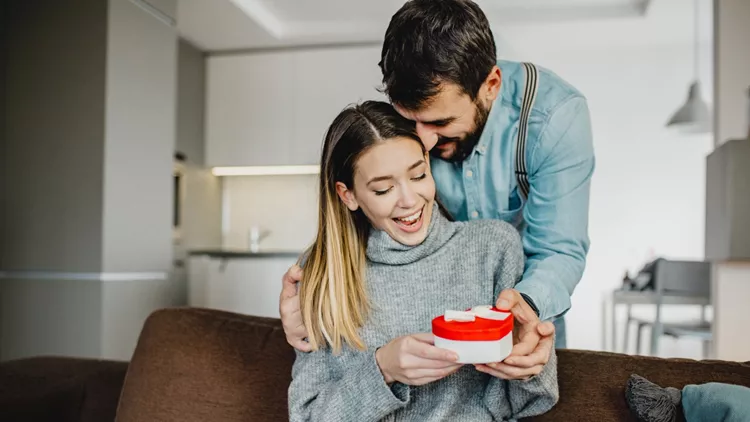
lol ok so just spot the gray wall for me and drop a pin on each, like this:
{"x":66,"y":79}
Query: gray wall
{"x":191,"y":82}
{"x":50,"y":317}
{"x":3,"y":163}
{"x":90,"y":126}
{"x":140,"y":115}
{"x":54,"y":128}
{"x":731,"y":69}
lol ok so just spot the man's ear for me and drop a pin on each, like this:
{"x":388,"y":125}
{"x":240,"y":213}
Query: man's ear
{"x":346,"y":196}
{"x":491,"y":87}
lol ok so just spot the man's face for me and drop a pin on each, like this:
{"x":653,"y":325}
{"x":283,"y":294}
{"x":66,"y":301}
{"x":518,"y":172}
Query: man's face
{"x":451,"y":124}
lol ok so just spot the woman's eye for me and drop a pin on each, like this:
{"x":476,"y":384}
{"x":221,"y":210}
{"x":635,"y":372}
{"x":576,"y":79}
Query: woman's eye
{"x":420,"y":177}
{"x":382,"y":192}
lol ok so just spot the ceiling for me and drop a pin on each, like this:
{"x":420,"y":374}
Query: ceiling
{"x":221,"y":25}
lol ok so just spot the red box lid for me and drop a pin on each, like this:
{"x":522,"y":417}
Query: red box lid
{"x":481,"y":329}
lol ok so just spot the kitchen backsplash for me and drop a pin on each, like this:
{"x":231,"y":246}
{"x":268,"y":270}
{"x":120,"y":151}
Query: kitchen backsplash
{"x":287,"y":206}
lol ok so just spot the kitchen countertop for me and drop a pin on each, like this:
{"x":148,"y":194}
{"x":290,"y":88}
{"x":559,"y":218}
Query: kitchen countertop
{"x":244,"y":253}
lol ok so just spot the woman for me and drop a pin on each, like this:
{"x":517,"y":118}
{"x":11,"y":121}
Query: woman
{"x":384,"y":263}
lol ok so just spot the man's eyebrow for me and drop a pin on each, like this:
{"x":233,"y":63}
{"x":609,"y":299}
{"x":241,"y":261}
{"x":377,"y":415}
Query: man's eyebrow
{"x":440,"y":122}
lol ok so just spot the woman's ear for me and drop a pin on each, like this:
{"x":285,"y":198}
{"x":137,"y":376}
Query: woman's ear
{"x":346,"y":196}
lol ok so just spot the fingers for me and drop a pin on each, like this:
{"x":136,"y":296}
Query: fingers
{"x":426,"y":376}
{"x":507,"y":300}
{"x":416,"y":346}
{"x":511,"y":300}
{"x":299,"y":344}
{"x":540,"y":355}
{"x":526,"y":344}
{"x":506,"y":372}
{"x":546,"y":329}
{"x":289,"y":309}
{"x":424,"y":337}
{"x":289,"y":281}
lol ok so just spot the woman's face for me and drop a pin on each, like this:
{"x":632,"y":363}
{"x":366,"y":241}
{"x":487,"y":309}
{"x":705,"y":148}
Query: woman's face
{"x":394,"y":188}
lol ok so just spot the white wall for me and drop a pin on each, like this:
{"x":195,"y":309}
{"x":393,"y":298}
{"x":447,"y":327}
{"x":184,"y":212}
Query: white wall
{"x":648,"y":189}
{"x":285,"y":205}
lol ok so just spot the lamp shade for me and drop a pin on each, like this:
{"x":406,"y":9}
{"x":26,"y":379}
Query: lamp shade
{"x":693,"y":115}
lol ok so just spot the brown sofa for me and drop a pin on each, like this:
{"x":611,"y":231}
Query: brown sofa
{"x":206,"y":365}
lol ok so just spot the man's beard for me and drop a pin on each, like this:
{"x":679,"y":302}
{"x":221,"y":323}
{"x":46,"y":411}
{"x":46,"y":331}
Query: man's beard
{"x":465,"y":145}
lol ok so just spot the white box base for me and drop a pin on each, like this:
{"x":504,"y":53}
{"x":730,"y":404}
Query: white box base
{"x":471,"y":352}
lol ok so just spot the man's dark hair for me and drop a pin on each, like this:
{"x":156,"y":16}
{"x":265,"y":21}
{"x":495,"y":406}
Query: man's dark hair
{"x":430,"y":42}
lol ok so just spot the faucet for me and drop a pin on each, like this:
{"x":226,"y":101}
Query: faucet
{"x":255,"y":235}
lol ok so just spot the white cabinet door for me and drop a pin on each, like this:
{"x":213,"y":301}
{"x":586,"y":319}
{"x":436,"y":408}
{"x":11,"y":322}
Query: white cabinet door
{"x":273,"y":108}
{"x":248,"y":109}
{"x":248,"y":286}
{"x":328,"y":80}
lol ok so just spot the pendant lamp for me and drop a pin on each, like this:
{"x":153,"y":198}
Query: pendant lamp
{"x":693,"y":116}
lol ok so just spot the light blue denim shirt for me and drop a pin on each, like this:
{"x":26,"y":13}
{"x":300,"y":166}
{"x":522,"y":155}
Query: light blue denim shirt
{"x":553,"y":221}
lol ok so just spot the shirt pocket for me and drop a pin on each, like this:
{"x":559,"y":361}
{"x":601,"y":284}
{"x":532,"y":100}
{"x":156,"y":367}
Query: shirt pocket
{"x":513,"y":213}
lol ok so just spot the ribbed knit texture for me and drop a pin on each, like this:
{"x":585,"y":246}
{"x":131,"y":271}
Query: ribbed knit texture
{"x":459,"y":265}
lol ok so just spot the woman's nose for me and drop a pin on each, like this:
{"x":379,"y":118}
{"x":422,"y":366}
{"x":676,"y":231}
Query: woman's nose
{"x":428,"y":135}
{"x":408,"y":198}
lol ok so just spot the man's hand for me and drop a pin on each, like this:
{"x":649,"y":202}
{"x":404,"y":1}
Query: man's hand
{"x":533,"y":340}
{"x":414,"y":360}
{"x":289,"y":309}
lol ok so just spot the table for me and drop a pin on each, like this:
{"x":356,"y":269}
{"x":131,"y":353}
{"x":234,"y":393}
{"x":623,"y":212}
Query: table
{"x":645,"y":297}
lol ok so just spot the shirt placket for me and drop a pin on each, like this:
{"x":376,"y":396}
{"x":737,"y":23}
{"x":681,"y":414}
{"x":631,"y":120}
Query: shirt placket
{"x":471,"y":187}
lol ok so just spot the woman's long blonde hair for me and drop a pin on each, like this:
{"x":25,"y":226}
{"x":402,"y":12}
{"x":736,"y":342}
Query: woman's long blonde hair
{"x":333,"y":296}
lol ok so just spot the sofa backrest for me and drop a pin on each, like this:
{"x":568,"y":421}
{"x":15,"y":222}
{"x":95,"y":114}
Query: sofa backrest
{"x":206,"y":365}
{"x":197,"y":365}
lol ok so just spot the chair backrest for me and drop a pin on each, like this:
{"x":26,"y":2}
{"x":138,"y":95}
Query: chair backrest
{"x":683,"y":277}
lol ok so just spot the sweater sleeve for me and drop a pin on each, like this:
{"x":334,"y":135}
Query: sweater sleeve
{"x":516,"y":399}
{"x":345,"y":387}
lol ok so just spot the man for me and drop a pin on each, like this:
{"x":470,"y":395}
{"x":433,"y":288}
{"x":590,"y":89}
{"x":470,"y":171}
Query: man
{"x":508,"y":141}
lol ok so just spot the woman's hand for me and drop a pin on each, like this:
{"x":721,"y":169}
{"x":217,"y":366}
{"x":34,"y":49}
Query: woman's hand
{"x":414,"y":360}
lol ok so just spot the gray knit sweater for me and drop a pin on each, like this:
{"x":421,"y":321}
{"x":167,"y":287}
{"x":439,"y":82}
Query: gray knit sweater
{"x":459,"y":265}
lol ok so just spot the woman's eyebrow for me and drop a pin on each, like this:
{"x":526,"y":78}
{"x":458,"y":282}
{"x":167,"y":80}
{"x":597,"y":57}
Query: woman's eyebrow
{"x":382,"y":178}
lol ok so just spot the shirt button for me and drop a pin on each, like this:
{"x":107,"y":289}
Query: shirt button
{"x":481,"y":148}
{"x":469,"y":173}
{"x":474,"y":214}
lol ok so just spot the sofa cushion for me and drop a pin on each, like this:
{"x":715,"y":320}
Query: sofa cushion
{"x":60,"y":389}
{"x":207,"y":365}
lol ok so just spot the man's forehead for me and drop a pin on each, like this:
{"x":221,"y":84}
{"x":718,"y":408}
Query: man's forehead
{"x":447,"y":104}
{"x":432,"y":112}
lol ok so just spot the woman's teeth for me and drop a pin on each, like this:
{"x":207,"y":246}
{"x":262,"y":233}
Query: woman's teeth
{"x":411,"y":219}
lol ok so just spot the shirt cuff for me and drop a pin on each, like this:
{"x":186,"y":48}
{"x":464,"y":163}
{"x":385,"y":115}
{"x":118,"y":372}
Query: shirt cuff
{"x":530,"y":302}
{"x":550,"y":300}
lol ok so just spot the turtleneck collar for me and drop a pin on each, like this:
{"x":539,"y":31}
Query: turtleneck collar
{"x":381,"y":248}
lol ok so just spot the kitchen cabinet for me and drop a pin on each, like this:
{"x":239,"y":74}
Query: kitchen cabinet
{"x":247,"y":284}
{"x":273,"y":108}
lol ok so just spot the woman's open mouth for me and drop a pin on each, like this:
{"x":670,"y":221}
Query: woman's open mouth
{"x":410,"y":223}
